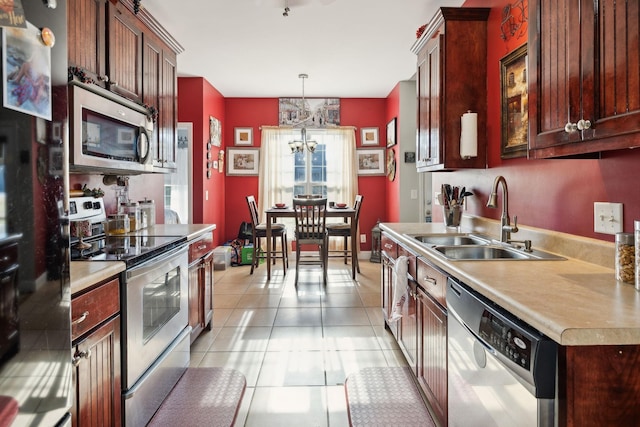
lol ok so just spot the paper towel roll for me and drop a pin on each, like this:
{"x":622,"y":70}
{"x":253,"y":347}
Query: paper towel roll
{"x":469,"y":135}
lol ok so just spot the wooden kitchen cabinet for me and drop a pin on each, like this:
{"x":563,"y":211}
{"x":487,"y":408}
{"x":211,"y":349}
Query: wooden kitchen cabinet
{"x":124,"y":50}
{"x":95,"y":334}
{"x":200,"y":284}
{"x":453,"y":45}
{"x":584,"y":85}
{"x":87,"y":48}
{"x":389,"y":253}
{"x":160,"y":87}
{"x":432,"y":339}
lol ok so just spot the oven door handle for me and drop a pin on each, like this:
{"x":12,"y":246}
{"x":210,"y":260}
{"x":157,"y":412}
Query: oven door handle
{"x":472,"y":332}
{"x":155,"y":261}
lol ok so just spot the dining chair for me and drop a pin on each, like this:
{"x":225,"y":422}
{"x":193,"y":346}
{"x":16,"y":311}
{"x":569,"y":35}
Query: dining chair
{"x":260,"y":232}
{"x":344,"y":230}
{"x":310,"y":216}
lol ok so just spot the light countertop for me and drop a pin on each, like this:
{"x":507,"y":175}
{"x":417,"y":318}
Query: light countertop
{"x":87,"y":273}
{"x":573,"y":302}
{"x":191,"y":231}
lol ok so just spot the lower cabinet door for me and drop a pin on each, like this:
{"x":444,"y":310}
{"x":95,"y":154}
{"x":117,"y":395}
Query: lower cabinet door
{"x":98,"y":382}
{"x":432,"y":353}
{"x":408,"y":325}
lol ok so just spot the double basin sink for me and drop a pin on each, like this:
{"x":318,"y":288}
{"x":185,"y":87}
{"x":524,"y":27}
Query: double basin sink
{"x":476,"y":247}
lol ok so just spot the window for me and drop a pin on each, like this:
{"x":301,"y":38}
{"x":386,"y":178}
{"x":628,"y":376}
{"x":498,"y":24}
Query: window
{"x":330,"y":170}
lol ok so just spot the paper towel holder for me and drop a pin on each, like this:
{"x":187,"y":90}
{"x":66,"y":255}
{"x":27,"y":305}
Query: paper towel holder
{"x":469,"y":135}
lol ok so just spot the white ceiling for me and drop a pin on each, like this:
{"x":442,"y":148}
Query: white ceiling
{"x":247,"y":48}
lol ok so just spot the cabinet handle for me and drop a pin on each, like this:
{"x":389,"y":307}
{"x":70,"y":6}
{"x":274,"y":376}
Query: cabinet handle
{"x":430,"y":280}
{"x":388,"y":246}
{"x":200,"y":247}
{"x":104,"y":79}
{"x":583,"y":124}
{"x":81,"y":319}
{"x":113,"y":84}
{"x":80,"y":355}
{"x":570,"y":127}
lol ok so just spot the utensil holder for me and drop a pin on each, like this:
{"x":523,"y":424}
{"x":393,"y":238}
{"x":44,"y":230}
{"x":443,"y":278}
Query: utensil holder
{"x":452,"y":215}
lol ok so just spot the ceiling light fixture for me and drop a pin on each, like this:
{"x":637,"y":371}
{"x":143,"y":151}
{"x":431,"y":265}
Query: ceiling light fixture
{"x":298,"y":145}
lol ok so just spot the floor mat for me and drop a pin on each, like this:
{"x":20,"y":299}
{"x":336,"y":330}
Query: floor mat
{"x":384,"y":397}
{"x":203,"y":397}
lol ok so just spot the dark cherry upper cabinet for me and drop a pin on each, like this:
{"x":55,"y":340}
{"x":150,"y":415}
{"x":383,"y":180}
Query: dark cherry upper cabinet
{"x":160,"y":86}
{"x":451,"y":80}
{"x":124,"y":45}
{"x":583,"y":77}
{"x":86,"y":38}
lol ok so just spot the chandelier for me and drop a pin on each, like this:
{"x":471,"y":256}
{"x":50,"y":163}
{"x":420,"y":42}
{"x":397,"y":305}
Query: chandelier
{"x":298,"y":145}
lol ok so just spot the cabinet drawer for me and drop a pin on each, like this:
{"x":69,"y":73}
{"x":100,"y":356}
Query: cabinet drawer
{"x":91,"y":308}
{"x":389,"y":246}
{"x":200,"y":247}
{"x":432,"y":280}
{"x":8,"y":256}
{"x":411,"y":258}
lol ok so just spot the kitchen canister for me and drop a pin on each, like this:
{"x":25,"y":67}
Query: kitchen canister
{"x":133,"y":211}
{"x":148,"y":207}
{"x":636,"y":230}
{"x":625,"y":257}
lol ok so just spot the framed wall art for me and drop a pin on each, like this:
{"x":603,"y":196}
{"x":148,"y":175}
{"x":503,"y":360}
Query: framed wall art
{"x":215,"y":134}
{"x":369,"y":136}
{"x":243,"y":136}
{"x":514,"y":103}
{"x":243,"y":161}
{"x":391,"y":133}
{"x":370,"y":161}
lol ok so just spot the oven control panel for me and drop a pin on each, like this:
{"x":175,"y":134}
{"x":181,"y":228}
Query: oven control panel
{"x":505,"y":339}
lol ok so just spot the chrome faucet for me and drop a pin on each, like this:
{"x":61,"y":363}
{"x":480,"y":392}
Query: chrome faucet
{"x":505,"y":225}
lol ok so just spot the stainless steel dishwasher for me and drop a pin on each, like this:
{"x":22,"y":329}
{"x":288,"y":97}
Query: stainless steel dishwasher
{"x":501,"y":371}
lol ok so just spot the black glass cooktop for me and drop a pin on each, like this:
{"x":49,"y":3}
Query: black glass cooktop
{"x":132,"y":249}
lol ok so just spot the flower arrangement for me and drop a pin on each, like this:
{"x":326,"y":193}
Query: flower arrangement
{"x":420,"y":30}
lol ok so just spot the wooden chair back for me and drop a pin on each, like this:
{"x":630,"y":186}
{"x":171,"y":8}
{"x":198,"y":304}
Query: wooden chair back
{"x":310,"y":215}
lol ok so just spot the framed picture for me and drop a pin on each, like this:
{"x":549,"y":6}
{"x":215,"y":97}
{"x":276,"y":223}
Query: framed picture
{"x":56,"y":161}
{"x":391,"y":133}
{"x":409,"y":156}
{"x":243,"y":136}
{"x":185,"y":135}
{"x":370,"y":161}
{"x":243,"y":161}
{"x":514,"y":103}
{"x":215,"y":134}
{"x":369,"y":136}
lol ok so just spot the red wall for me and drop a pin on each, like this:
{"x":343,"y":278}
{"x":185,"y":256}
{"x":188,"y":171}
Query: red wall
{"x":555,"y":194}
{"x":197,"y":101}
{"x":254,"y":112}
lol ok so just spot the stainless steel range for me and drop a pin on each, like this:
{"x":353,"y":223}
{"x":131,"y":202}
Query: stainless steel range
{"x":154,"y":305}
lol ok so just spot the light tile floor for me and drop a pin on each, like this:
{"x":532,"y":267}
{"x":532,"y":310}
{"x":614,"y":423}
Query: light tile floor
{"x":296,"y":346}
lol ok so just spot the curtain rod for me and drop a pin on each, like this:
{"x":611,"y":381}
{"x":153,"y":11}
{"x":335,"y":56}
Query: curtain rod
{"x":313,"y":129}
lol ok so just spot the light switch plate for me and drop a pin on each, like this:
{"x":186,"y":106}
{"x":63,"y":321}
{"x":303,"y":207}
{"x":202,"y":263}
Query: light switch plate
{"x":607,"y":217}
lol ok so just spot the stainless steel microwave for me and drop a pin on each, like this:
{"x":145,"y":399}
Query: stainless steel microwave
{"x":109,"y":134}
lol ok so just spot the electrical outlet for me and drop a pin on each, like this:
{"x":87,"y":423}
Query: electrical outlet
{"x":363,"y":238}
{"x":607,"y":217}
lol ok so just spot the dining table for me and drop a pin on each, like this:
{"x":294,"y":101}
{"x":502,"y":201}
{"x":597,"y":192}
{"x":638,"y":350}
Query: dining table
{"x":348,"y":213}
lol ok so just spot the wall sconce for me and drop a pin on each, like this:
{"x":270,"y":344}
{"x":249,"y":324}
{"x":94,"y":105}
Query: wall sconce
{"x":469,"y":135}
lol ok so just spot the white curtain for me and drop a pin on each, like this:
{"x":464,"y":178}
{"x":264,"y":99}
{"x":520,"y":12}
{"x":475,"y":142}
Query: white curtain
{"x":276,"y":170}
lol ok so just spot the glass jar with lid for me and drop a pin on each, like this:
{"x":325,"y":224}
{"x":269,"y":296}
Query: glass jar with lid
{"x":117,"y":224}
{"x":625,"y":257}
{"x":148,"y":207}
{"x":133,"y":211}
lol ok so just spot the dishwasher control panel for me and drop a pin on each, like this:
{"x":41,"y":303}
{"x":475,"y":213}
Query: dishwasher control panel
{"x":505,"y":339}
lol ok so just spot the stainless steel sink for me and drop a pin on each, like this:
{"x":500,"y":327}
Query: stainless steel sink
{"x":480,"y":252}
{"x":493,"y":252}
{"x":477,"y":247}
{"x":451,"y":239}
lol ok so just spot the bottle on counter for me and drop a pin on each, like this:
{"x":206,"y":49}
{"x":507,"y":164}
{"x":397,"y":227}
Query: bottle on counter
{"x":625,"y":257}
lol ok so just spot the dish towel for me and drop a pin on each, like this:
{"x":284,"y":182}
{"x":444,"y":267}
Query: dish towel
{"x":399,"y":287}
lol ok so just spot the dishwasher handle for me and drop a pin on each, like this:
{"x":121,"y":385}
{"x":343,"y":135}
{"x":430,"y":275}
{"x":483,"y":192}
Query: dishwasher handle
{"x":472,"y":332}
